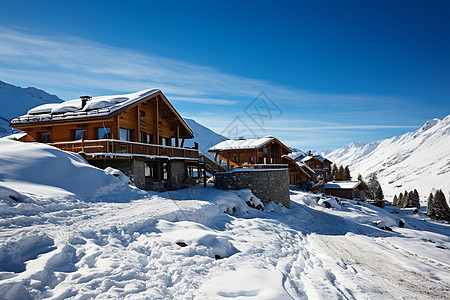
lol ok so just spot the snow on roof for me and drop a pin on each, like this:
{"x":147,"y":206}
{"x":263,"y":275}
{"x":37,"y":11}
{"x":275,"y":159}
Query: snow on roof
{"x":342,"y":185}
{"x":319,"y":157}
{"x":72,"y":109}
{"x":303,"y":165}
{"x":242,"y":144}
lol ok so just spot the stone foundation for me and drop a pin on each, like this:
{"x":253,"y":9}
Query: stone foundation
{"x":266,"y":184}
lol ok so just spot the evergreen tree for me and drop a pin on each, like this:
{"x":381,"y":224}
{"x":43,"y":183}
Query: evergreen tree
{"x":379,"y":196}
{"x":400,"y":200}
{"x":430,"y":206}
{"x":441,"y":209}
{"x":410,"y":199}
{"x":405,"y":199}
{"x":372,"y":186}
{"x":415,"y":199}
{"x":340,"y":174}
{"x":334,"y":171}
{"x":395,"y":201}
{"x":347,"y":173}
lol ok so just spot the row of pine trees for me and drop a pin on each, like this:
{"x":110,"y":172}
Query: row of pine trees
{"x":408,"y":199}
{"x":340,"y":173}
{"x":437,"y":207}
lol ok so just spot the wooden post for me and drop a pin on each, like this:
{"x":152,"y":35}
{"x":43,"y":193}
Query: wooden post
{"x":177,"y":137}
{"x":204,"y":176}
{"x":182,"y":143}
{"x":138,"y":126}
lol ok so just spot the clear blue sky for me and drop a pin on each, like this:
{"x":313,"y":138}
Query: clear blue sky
{"x":338,"y":71}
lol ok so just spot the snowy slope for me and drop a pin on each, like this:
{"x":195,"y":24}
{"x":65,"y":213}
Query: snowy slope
{"x":205,"y":137}
{"x":16,"y":101}
{"x":416,"y":160}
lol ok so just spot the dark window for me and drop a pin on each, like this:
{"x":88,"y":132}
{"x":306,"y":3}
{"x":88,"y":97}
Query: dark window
{"x":251,"y":159}
{"x":236,"y":158}
{"x":144,"y":137}
{"x":149,"y":138}
{"x":45,"y":137}
{"x":142,"y":113}
{"x":79,"y":134}
{"x":125,"y":134}
{"x":167,"y":142}
{"x":265,"y":149}
{"x":104,"y":133}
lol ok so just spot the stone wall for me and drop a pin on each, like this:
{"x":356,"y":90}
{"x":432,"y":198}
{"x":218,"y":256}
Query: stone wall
{"x":266,"y":184}
{"x":177,"y":175}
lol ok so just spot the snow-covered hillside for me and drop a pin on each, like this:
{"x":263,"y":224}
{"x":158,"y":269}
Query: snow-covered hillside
{"x":205,"y":137}
{"x":416,"y":160}
{"x":78,"y":232}
{"x":16,"y":101}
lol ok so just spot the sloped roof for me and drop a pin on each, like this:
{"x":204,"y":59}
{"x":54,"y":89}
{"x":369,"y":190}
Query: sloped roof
{"x":319,"y":157}
{"x":342,"y":185}
{"x":244,"y":144}
{"x":101,"y":107}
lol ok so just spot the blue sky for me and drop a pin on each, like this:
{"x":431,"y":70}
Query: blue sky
{"x":334,"y":71}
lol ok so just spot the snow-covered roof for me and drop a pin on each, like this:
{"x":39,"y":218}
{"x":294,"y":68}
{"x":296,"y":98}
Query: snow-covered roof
{"x":342,"y":185}
{"x":319,"y":157}
{"x":101,"y":106}
{"x":242,"y":144}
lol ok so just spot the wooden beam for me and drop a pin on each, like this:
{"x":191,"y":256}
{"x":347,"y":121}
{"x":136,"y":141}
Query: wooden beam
{"x":177,"y":137}
{"x":157,"y":124}
{"x":138,"y":125}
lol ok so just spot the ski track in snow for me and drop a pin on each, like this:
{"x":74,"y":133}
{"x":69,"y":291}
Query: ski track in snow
{"x":119,"y":250}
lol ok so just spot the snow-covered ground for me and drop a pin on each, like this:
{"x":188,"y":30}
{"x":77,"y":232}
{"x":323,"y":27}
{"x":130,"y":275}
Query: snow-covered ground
{"x":67,"y":238}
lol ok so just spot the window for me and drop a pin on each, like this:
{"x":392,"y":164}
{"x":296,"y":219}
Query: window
{"x":236,"y":158}
{"x":125,"y":134}
{"x":265,"y":149}
{"x":167,"y":141}
{"x":79,"y":134}
{"x":149,"y":138}
{"x":144,"y":137}
{"x":251,"y":159}
{"x":45,"y":137}
{"x":104,"y":133}
{"x":142,"y":113}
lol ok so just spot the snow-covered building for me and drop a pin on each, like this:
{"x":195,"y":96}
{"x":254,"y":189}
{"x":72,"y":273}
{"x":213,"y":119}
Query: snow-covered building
{"x":140,"y":133}
{"x":260,"y":153}
{"x":317,"y":162}
{"x":345,"y":189}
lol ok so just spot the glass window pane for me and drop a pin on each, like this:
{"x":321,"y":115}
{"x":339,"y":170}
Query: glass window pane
{"x":123,"y":134}
{"x":104,"y":133}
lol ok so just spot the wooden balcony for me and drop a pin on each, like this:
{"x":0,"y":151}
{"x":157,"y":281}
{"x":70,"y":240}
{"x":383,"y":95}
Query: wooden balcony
{"x":96,"y":148}
{"x":266,"y":166}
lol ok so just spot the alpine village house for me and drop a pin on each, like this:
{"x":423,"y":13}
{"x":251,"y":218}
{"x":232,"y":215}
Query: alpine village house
{"x":140,"y":134}
{"x":262,"y":153}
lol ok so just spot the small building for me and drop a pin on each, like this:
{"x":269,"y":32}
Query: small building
{"x":299,"y":173}
{"x":140,"y":133}
{"x":318,"y":163}
{"x":345,"y":189}
{"x":253,"y":153}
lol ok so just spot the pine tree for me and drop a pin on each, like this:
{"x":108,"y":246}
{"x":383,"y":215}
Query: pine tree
{"x":372,"y":186}
{"x":410,"y":199}
{"x":395,"y":201}
{"x":405,"y":199}
{"x":334,"y":171}
{"x":340,"y":174}
{"x":441,"y":209}
{"x":347,"y":173}
{"x":430,"y":206}
{"x":379,"y":196}
{"x":415,"y":201}
{"x":400,"y":201}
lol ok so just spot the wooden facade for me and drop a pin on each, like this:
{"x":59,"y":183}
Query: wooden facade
{"x":144,"y":138}
{"x":269,"y":153}
{"x":297,"y":174}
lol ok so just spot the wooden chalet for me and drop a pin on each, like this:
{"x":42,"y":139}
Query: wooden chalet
{"x":346,"y":189}
{"x":261,"y":153}
{"x":318,"y":163}
{"x":141,"y":134}
{"x":255,"y":153}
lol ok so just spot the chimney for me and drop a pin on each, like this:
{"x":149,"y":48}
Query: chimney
{"x":84,"y":100}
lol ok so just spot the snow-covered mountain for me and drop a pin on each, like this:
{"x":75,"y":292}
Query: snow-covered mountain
{"x":205,"y":137}
{"x":15,"y":101}
{"x":416,"y":160}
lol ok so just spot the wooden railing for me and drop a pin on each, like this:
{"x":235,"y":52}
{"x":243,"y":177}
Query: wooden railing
{"x":210,"y":165}
{"x":125,"y":147}
{"x":267,"y":166}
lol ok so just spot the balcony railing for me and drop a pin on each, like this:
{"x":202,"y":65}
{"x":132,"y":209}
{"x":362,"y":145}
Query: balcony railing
{"x":99,"y":147}
{"x":266,"y":166}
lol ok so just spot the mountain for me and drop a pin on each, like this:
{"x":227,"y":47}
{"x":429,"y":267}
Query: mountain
{"x":16,"y":101}
{"x":205,"y":137}
{"x":416,"y":160}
